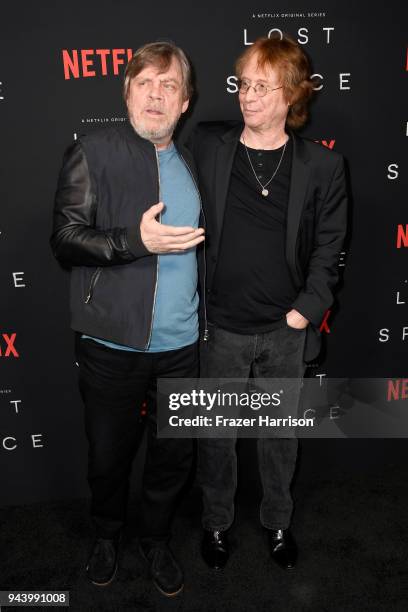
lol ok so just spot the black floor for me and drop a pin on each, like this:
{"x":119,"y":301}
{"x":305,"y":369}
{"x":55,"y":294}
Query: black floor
{"x":352,"y":534}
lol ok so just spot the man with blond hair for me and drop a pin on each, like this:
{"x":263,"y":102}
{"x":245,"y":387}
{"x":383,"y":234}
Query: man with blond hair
{"x":275,"y":208}
{"x":126,"y":221}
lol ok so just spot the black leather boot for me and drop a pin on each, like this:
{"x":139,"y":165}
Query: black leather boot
{"x":283,"y":548}
{"x":215,"y":549}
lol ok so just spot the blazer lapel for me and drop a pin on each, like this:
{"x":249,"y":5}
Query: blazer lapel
{"x":224,"y":160}
{"x":300,"y":177}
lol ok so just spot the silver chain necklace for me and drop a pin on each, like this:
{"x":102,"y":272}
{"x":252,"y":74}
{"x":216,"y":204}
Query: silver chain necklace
{"x":264,"y":191}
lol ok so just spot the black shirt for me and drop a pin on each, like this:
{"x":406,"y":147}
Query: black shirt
{"x":253,"y":289}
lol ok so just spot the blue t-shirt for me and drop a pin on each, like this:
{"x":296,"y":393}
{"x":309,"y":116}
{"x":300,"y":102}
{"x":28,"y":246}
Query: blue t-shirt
{"x":175,"y":319}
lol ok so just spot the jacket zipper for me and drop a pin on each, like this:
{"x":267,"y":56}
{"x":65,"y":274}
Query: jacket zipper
{"x":206,"y":333}
{"x":94,"y":279}
{"x":157,"y":261}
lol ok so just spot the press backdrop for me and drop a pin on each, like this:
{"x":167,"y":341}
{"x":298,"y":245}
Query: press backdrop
{"x":61,"y":70}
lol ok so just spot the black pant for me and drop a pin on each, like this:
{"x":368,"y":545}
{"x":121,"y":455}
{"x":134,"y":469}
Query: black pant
{"x":113,"y":385}
{"x":274,"y":354}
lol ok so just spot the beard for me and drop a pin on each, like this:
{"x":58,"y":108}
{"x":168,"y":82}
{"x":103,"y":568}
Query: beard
{"x":155,"y":135}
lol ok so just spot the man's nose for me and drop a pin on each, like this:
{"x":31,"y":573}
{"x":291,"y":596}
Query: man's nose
{"x":156,"y":90}
{"x":251,"y":95}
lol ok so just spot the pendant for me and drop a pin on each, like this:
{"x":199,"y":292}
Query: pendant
{"x":265,"y":192}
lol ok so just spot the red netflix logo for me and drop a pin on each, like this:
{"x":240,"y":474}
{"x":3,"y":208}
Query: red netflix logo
{"x":327,"y":143}
{"x":324,"y":325}
{"x":7,"y":348}
{"x":397,"y":389}
{"x":93,"y":62}
{"x":402,"y":236}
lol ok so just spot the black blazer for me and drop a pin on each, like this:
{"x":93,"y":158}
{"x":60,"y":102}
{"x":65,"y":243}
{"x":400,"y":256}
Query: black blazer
{"x":316,"y":216}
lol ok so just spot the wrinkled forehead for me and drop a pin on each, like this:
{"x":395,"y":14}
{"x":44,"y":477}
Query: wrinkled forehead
{"x":171,"y":70}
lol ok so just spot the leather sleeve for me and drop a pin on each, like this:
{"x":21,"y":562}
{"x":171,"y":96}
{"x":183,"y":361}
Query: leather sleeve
{"x":74,"y":239}
{"x":330,"y":230}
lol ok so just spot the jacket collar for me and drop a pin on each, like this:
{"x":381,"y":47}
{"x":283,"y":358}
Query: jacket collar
{"x":133,"y":137}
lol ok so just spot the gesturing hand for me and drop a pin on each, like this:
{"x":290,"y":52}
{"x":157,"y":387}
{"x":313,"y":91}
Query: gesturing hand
{"x":160,"y":238}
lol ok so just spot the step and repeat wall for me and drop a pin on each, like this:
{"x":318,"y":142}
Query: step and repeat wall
{"x":61,"y":72}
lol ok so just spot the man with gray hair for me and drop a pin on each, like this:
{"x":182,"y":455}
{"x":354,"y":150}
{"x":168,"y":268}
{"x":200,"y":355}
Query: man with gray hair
{"x":126,"y":220}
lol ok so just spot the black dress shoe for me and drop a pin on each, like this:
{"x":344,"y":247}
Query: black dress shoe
{"x":164,"y":570}
{"x":215,"y":549}
{"x":103,"y":561}
{"x":283,"y":548}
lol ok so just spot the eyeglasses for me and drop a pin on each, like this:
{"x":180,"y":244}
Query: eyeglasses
{"x":261,"y":89}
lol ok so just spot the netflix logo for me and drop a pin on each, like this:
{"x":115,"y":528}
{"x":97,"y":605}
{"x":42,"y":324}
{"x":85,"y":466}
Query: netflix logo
{"x":402,"y":236}
{"x":397,"y":389}
{"x":7,"y":348}
{"x":324,"y":325}
{"x":82,"y":63}
{"x":326,"y":143}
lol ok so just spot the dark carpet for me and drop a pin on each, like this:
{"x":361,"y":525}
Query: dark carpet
{"x":352,"y":534}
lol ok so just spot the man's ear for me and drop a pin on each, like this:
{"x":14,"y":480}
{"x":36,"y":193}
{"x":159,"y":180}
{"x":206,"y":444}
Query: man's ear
{"x":127,"y":90}
{"x":185,"y":106}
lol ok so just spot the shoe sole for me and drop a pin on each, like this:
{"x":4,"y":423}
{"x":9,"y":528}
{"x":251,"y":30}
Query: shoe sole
{"x":165,"y":593}
{"x":102,"y":584}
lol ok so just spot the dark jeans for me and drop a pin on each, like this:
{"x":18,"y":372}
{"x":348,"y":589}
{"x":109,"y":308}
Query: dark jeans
{"x":274,"y":354}
{"x":113,"y":385}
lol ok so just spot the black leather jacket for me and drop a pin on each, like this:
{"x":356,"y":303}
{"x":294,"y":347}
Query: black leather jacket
{"x":109,"y":178}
